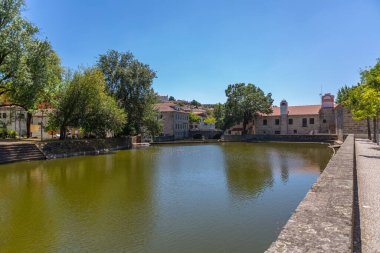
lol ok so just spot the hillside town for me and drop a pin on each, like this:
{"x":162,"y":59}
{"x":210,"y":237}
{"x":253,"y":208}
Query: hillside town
{"x":181,"y":119}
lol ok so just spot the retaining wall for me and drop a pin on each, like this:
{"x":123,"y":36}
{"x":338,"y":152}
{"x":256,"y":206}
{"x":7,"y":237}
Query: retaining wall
{"x":289,"y":138}
{"x":323,"y":221}
{"x":67,"y":148}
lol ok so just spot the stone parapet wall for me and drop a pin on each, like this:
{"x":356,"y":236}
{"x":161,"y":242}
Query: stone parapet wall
{"x":59,"y":149}
{"x":323,"y":221}
{"x":289,"y":138}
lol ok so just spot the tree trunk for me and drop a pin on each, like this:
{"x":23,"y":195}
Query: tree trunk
{"x":62,"y":133}
{"x":28,"y":123}
{"x":374,"y":130}
{"x":244,"y":127}
{"x":369,"y":129}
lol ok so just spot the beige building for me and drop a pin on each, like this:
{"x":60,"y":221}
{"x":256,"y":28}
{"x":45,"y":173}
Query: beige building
{"x":14,"y":118}
{"x":305,"y":119}
{"x":175,"y":121}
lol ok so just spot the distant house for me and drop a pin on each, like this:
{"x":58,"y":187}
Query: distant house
{"x":174,"y":119}
{"x":305,"y":119}
{"x":201,"y":125}
{"x":14,"y":118}
{"x":163,"y":99}
{"x":325,"y":118}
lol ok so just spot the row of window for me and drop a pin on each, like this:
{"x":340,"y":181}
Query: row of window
{"x":290,"y":122}
{"x":4,"y":115}
{"x":181,"y":126}
{"x":181,"y":116}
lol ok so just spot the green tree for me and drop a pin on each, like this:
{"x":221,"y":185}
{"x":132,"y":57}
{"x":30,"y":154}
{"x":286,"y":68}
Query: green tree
{"x":210,"y":120}
{"x":342,"y":94}
{"x":219,"y":113}
{"x":193,"y":118}
{"x":371,"y":77}
{"x":244,"y":101}
{"x":29,"y":68}
{"x":130,"y":83}
{"x":171,"y":98}
{"x":85,"y":104}
{"x":195,"y":103}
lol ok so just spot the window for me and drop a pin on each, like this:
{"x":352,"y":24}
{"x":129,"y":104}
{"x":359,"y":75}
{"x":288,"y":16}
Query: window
{"x":277,"y":121}
{"x":277,"y":132}
{"x":265,"y":122}
{"x":4,"y":115}
{"x":311,"y":121}
{"x":264,"y":132}
{"x":294,"y":131}
{"x":290,"y":121}
{"x":304,"y":122}
{"x":324,"y":121}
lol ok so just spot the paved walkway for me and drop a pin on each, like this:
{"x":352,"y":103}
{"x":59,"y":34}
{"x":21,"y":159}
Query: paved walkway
{"x":368,"y":172}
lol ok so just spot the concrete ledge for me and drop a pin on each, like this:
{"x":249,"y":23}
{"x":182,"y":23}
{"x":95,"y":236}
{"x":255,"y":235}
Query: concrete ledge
{"x":323,"y":221}
{"x":286,"y":138}
{"x":68,"y":148}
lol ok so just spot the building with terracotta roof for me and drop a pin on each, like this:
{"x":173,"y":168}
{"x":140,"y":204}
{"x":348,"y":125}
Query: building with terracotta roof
{"x":175,"y":121}
{"x":305,"y":119}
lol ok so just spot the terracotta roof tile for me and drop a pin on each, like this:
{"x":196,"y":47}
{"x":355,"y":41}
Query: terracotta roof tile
{"x":297,"y":110}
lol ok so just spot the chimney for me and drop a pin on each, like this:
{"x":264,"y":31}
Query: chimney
{"x":284,"y":107}
{"x":327,"y":101}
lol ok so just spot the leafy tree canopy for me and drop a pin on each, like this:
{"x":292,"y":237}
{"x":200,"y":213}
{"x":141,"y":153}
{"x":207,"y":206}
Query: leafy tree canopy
{"x":194,"y":118}
{"x":130,"y":83}
{"x":195,"y":103}
{"x":244,"y":101}
{"x":85,"y":104}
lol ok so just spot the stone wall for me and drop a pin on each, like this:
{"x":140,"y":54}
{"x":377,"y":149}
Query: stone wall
{"x":345,"y":124}
{"x":59,"y":149}
{"x":295,"y":128}
{"x":323,"y":221}
{"x":289,"y":138}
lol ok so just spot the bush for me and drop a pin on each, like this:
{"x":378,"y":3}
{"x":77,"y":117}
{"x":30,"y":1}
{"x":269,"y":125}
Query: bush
{"x":12,"y":134}
{"x":5,"y":133}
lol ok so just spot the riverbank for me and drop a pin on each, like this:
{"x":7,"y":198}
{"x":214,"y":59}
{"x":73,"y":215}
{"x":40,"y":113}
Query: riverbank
{"x":59,"y":149}
{"x":325,"y":220}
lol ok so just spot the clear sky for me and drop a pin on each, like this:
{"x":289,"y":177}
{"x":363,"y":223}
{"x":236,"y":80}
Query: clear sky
{"x":291,"y":48}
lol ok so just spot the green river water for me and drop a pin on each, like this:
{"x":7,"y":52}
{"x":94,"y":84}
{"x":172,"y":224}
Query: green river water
{"x":230,"y":197}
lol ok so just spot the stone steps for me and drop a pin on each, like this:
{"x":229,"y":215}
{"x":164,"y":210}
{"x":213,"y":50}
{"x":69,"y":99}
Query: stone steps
{"x":16,"y":152}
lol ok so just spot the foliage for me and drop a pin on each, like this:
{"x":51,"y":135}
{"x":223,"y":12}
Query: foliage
{"x":171,"y":98}
{"x":152,"y":125}
{"x":195,"y":103}
{"x":210,"y":121}
{"x":29,"y":68}
{"x":372,"y":76}
{"x":244,"y":101}
{"x":219,"y":113}
{"x":193,"y":118}
{"x":85,"y":104}
{"x":342,"y":94}
{"x":361,"y":101}
{"x":5,"y":133}
{"x":130,"y":83}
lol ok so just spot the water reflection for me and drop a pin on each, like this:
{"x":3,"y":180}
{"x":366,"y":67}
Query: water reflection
{"x":230,"y":197}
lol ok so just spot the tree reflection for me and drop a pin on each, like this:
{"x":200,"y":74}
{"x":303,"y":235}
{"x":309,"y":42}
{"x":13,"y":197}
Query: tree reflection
{"x":248,"y":170}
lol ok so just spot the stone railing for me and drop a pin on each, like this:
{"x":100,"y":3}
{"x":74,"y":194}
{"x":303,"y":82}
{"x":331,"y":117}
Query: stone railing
{"x":323,"y":221}
{"x":290,"y":137}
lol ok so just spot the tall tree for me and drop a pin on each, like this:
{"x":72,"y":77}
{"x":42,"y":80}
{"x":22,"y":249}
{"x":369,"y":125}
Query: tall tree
{"x":371,"y":77}
{"x":29,"y":68}
{"x":85,"y":104}
{"x":130,"y":82}
{"x":244,"y":101}
{"x":219,"y":114}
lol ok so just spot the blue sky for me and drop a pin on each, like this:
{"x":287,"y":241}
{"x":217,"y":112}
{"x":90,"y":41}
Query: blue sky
{"x":197,"y":47}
